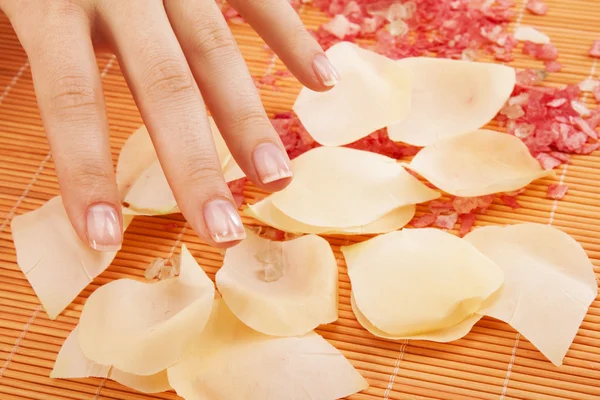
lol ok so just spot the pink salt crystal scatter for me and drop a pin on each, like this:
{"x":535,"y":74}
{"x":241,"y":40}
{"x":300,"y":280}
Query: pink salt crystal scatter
{"x":446,"y":221}
{"x":438,"y":207}
{"x":524,"y":130}
{"x":341,"y":27}
{"x":588,"y":148}
{"x":584,"y":126}
{"x":537,"y":7}
{"x":557,"y":103}
{"x":466,"y":224}
{"x":423,"y":221}
{"x":547,"y":161}
{"x":379,"y":142}
{"x":580,"y":107}
{"x":509,"y":201}
{"x":561,"y":156}
{"x":353,"y":11}
{"x":464,"y":205}
{"x":458,"y":25}
{"x":544,"y":52}
{"x":515,"y":193}
{"x":553,"y":66}
{"x":484,"y":202}
{"x":595,"y":49}
{"x":557,"y":192}
{"x":528,"y":77}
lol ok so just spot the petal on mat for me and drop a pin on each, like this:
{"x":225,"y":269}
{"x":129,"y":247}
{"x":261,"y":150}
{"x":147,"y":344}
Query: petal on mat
{"x":230,"y":360}
{"x":281,"y":288}
{"x":72,"y":364}
{"x":478,"y":163}
{"x":450,"y":97}
{"x":342,"y":187}
{"x":415,"y":281}
{"x":57,"y":264}
{"x":373,"y":92}
{"x":444,"y":335}
{"x":265,"y":212}
{"x":142,"y":328}
{"x":549,"y":283}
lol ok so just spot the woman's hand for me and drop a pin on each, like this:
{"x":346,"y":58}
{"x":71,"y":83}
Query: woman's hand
{"x":174,"y":54}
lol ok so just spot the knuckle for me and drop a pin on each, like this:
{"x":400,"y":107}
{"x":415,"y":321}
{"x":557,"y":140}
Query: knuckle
{"x":74,"y":91}
{"x":87,"y":176}
{"x":210,"y":39}
{"x":247,"y":118}
{"x":168,"y":77}
{"x":200,"y":169}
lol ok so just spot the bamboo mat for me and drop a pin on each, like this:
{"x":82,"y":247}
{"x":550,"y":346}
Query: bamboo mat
{"x":492,"y":362}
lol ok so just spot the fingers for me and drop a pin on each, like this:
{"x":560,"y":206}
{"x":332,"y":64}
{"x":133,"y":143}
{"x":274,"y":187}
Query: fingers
{"x":69,"y":92}
{"x":172,"y":108}
{"x":229,"y":91}
{"x":281,"y":27}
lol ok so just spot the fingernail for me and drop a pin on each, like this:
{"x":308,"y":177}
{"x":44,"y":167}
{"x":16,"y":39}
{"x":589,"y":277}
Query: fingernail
{"x":223,"y":221}
{"x":325,"y":71}
{"x":104,"y":228}
{"x":270,"y":163}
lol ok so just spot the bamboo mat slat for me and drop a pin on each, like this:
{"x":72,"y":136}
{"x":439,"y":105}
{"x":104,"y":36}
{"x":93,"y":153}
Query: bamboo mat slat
{"x":492,"y":362}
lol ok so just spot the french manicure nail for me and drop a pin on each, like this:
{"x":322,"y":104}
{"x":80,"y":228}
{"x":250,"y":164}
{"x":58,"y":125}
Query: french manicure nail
{"x":270,"y":163}
{"x":223,"y":221}
{"x":104,"y":231}
{"x":325,"y":71}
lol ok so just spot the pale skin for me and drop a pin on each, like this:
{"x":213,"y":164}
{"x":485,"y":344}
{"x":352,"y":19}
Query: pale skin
{"x":178,"y":56}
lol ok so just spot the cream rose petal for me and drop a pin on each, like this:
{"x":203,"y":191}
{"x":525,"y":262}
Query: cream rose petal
{"x":72,"y":364}
{"x":444,"y":335}
{"x":231,"y":361}
{"x":281,"y":288}
{"x":57,"y":264}
{"x":478,"y":163}
{"x":143,"y":328}
{"x":265,"y":212}
{"x":451,"y":97}
{"x":342,"y":187}
{"x":549,"y":286}
{"x":415,"y":281}
{"x":373,"y":92}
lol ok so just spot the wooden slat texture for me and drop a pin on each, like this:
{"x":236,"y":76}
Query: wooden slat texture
{"x":492,"y":362}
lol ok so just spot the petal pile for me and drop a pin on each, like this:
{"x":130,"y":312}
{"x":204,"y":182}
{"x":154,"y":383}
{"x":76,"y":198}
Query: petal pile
{"x":419,"y":284}
{"x":57,"y":264}
{"x":478,"y":163}
{"x":549,"y":283}
{"x":373,"y":92}
{"x":281,"y":288}
{"x":142,"y":328}
{"x":71,"y":363}
{"x":451,"y":97}
{"x":230,"y":361}
{"x":174,"y":334}
{"x":338,"y":189}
